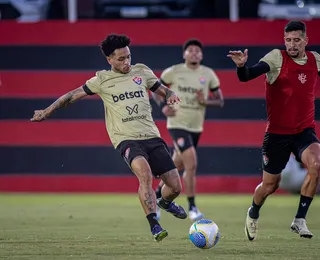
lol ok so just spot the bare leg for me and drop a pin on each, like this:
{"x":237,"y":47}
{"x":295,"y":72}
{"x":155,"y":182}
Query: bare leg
{"x":269,"y":184}
{"x":171,"y":190}
{"x":147,"y":197}
{"x":172,"y":185}
{"x":178,"y":163}
{"x":189,"y":159}
{"x":311,"y":158}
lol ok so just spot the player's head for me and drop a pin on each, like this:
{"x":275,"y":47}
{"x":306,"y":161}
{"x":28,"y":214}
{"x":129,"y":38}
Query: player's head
{"x":116,"y":49}
{"x":192,"y":51}
{"x":295,"y":38}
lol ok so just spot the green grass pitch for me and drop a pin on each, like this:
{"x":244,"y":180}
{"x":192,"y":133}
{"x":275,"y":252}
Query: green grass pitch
{"x":94,"y":227}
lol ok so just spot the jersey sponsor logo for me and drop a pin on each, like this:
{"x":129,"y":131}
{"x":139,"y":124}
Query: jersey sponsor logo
{"x":133,"y":109}
{"x":137,"y":80}
{"x":127,"y":95}
{"x":202,"y":80}
{"x":187,"y":89}
{"x":132,"y":118}
{"x":302,"y":77}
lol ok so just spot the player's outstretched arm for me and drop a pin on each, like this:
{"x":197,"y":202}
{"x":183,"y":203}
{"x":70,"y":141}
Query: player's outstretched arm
{"x":63,"y":101}
{"x":238,"y":57}
{"x":245,"y":73}
{"x":169,"y":95}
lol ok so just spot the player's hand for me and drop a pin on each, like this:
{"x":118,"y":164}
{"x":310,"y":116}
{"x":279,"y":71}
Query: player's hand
{"x":200,"y":97}
{"x":239,"y":58}
{"x":173,"y":99}
{"x":39,"y":115}
{"x":168,"y":111}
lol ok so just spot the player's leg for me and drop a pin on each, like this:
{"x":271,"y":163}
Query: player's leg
{"x":135,"y":156}
{"x":307,"y":150}
{"x":276,"y":151}
{"x":269,"y":184}
{"x":190,"y":161}
{"x":171,"y":190}
{"x":162,"y":166}
{"x":177,"y":161}
{"x":179,"y":165}
{"x":186,"y":156}
{"x":158,"y":196}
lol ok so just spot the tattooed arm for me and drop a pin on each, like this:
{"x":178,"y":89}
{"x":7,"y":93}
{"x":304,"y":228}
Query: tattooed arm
{"x":160,"y":95}
{"x":167,"y":94}
{"x":63,"y":101}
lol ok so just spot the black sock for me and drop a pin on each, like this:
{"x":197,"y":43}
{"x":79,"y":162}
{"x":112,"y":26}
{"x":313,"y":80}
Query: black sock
{"x":303,"y":206}
{"x":152,"y":218}
{"x":164,"y":203}
{"x":254,"y":210}
{"x":158,"y":192}
{"x":191,"y":202}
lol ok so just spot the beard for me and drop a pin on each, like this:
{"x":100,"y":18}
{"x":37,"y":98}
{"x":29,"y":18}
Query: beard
{"x":294,"y":55}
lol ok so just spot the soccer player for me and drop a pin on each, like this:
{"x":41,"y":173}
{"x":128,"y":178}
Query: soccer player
{"x":192,"y":82}
{"x":124,"y":91}
{"x":291,"y":77}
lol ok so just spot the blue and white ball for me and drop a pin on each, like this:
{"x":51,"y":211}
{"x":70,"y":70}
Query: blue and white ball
{"x":204,"y":233}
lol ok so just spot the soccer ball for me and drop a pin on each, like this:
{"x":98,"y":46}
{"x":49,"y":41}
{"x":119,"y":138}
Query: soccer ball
{"x":204,"y":233}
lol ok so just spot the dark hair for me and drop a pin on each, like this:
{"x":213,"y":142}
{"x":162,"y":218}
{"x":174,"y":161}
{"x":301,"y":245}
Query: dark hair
{"x":192,"y":42}
{"x":113,"y":42}
{"x":295,"y":26}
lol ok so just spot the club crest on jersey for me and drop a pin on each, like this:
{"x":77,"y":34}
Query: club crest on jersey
{"x":202,"y":80}
{"x":137,"y":80}
{"x":302,"y":77}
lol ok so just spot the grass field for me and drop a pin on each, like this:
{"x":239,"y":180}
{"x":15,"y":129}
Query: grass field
{"x":97,"y":227}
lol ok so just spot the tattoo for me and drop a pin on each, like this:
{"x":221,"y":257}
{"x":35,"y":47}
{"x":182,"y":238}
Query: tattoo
{"x":64,"y":101}
{"x":168,"y":93}
{"x":149,"y":201}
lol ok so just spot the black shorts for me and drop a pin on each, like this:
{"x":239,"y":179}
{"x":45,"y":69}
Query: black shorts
{"x":183,"y":139}
{"x":276,"y":149}
{"x":154,"y":150}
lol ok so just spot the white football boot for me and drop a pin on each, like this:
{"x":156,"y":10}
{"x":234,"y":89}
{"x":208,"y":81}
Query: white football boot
{"x":299,"y":226}
{"x":195,"y":214}
{"x":251,"y":227}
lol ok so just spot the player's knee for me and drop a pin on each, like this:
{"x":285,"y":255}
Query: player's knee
{"x":179,"y":166}
{"x":176,"y":190}
{"x":270,"y":188}
{"x":191,"y":168}
{"x":314,"y":175}
{"x":314,"y":168}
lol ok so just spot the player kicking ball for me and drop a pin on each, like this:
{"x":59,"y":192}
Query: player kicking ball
{"x":131,"y":128}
